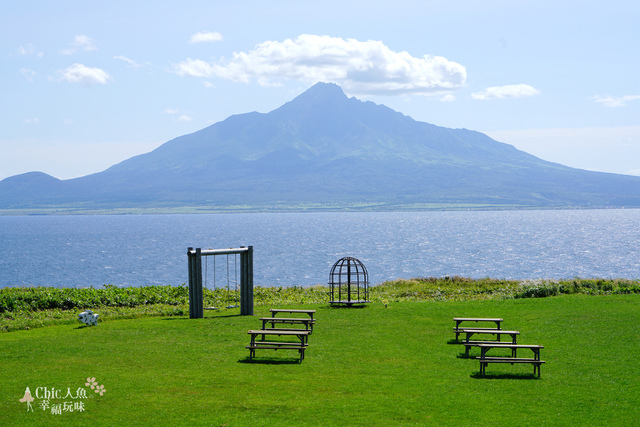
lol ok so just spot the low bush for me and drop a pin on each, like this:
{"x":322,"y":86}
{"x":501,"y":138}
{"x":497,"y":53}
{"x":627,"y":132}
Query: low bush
{"x":29,"y":307}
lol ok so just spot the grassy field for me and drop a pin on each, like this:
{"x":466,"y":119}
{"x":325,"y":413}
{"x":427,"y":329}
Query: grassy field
{"x":366,"y":366}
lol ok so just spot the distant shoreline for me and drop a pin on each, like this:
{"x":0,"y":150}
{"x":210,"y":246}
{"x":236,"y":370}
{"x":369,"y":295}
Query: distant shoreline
{"x":195,"y":210}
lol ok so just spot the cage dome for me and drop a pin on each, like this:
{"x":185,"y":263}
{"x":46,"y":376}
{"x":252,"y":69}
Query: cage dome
{"x":349,"y":282}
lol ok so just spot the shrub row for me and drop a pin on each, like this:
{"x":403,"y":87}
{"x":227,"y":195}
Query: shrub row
{"x":32,"y":299}
{"x":541,"y":289}
{"x":45,"y":298}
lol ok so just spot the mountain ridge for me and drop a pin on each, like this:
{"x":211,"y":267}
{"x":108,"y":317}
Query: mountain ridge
{"x":324,"y":148}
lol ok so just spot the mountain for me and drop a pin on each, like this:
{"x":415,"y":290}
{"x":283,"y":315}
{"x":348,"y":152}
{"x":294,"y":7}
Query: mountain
{"x":325,"y":150}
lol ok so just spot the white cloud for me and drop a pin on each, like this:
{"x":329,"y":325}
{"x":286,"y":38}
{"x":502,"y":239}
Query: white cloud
{"x":78,"y":73}
{"x":611,"y":102}
{"x":508,"y":91}
{"x":448,"y":98}
{"x":32,"y":121}
{"x":129,"y":61}
{"x":29,"y":50}
{"x":202,"y":37}
{"x":80,"y":42}
{"x":28,"y":73}
{"x":195,"y":68}
{"x":85,"y":43}
{"x":359,"y":67}
{"x":184,"y":118}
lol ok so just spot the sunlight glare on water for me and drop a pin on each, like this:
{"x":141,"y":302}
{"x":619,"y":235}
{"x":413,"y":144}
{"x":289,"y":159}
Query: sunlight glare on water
{"x":300,"y":248}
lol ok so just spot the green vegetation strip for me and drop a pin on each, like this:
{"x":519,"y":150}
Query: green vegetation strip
{"x":31,"y":307}
{"x":371,"y":366}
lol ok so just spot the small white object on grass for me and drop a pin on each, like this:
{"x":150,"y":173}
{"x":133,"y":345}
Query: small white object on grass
{"x":88,"y":317}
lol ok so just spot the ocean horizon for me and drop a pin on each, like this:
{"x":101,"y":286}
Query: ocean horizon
{"x":298,"y":249}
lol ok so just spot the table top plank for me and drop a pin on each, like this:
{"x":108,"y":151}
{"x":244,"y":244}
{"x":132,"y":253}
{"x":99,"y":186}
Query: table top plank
{"x":505,"y":345}
{"x":288,"y":319}
{"x":478,"y":319}
{"x":297,"y":332}
{"x":286,"y":310}
{"x":477,"y":343}
{"x":280,"y":343}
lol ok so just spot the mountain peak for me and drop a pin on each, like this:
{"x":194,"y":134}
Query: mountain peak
{"x":320,"y":94}
{"x":325,"y":90}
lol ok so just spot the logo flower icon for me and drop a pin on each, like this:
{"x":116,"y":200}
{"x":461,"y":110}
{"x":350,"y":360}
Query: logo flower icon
{"x":100,"y":389}
{"x":91,"y":382}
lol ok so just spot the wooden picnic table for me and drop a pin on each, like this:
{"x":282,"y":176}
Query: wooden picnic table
{"x":292,"y":311}
{"x":458,"y":330}
{"x":300,"y":346}
{"x":308,"y":323}
{"x":485,"y":360}
{"x":470,"y":332}
{"x":485,"y":347}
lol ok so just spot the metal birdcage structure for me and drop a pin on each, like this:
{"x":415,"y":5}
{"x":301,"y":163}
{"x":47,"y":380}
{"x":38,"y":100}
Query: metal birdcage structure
{"x":349,"y":282}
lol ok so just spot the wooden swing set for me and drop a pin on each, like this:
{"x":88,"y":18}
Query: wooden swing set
{"x":196,"y":306}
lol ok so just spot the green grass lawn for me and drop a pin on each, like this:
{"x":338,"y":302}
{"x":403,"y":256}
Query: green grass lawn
{"x":364,"y":366}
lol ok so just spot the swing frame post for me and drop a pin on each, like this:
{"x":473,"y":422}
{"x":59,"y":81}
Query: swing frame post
{"x":246,"y":282}
{"x":196,"y":309}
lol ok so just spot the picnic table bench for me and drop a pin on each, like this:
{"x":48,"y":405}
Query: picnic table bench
{"x":485,"y":360}
{"x":458,"y":330}
{"x":470,"y":332}
{"x":292,"y":311}
{"x":308,"y":323}
{"x":300,"y":346}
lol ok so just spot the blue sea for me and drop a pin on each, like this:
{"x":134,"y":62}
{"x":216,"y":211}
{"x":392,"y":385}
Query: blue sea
{"x":300,"y":248}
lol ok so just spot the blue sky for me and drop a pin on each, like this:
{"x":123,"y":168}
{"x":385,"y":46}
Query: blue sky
{"x":87,"y":84}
